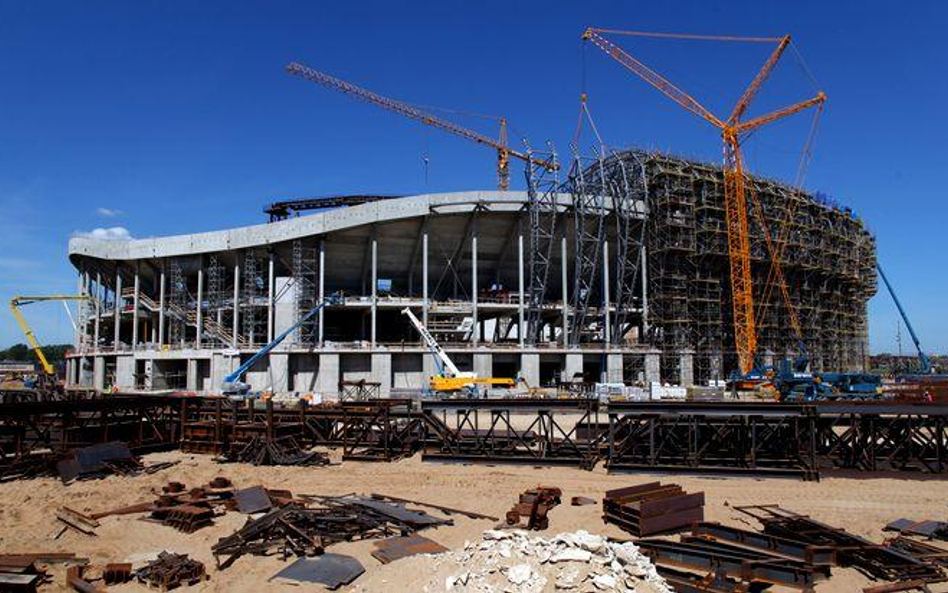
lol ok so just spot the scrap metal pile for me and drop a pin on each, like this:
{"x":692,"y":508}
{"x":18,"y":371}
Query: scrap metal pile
{"x":874,"y":560}
{"x":86,"y":463}
{"x":533,"y":506}
{"x":169,"y":571}
{"x":652,"y":508}
{"x":299,"y":530}
{"x":275,"y":451}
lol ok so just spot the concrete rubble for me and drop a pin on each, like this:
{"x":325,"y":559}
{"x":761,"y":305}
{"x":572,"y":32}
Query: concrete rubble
{"x":515,"y":562}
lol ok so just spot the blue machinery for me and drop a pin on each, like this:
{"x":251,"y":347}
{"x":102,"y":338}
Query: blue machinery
{"x":925,"y":365}
{"x":233,"y":385}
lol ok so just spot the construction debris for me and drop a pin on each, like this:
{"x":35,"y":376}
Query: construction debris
{"x":97,"y":461}
{"x":76,"y":521}
{"x":394,"y":548}
{"x":897,"y":587}
{"x":581,"y":501}
{"x":75,"y":579}
{"x":735,"y":561}
{"x":117,"y":572}
{"x":533,"y":506}
{"x":443,"y":509}
{"x":878,"y":562}
{"x":275,"y":451}
{"x":929,"y":529}
{"x":18,"y":572}
{"x":331,"y":570}
{"x":296,"y":530}
{"x":513,"y":560}
{"x":171,"y":570}
{"x":652,"y":508}
{"x":253,"y":500}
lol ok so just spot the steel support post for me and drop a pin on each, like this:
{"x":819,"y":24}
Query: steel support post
{"x":271,"y":285}
{"x":520,"y":311}
{"x":117,"y":333}
{"x":322,"y":288}
{"x":565,"y":290}
{"x":199,"y":307}
{"x":375,"y":282}
{"x":475,"y":327}
{"x":235,"y":325}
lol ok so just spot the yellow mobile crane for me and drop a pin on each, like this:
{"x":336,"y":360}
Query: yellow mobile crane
{"x":450,"y":379}
{"x":49,"y":373}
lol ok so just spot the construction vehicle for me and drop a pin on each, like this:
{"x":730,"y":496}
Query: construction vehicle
{"x":737,"y":192}
{"x":450,"y":379}
{"x":504,"y":152}
{"x":924,"y":363}
{"x":46,"y":380}
{"x":234,"y":387}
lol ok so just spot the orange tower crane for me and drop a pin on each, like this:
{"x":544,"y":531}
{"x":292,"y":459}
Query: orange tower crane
{"x":504,"y":152}
{"x":733,"y":131}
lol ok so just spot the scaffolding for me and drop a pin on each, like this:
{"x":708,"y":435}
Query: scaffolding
{"x":306,"y":278}
{"x":828,"y":262}
{"x":253,"y":309}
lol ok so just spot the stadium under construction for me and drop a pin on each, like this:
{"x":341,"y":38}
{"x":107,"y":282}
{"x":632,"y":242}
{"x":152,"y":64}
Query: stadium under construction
{"x":612,"y":270}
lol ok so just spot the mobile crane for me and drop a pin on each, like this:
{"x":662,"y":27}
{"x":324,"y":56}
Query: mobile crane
{"x":234,"y":387}
{"x":451,"y":379}
{"x":48,"y":378}
{"x":924,"y":363}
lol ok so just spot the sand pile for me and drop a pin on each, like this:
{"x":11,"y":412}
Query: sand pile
{"x":515,"y":561}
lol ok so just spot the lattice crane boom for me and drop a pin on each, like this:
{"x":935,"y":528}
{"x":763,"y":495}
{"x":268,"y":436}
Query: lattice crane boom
{"x":733,"y":131}
{"x":504,"y":152}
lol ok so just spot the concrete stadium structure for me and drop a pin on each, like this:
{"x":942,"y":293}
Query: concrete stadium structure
{"x":651,"y":302}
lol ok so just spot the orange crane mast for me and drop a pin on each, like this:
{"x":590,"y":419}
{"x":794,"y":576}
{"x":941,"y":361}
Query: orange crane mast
{"x":733,"y":132}
{"x":504,"y":152}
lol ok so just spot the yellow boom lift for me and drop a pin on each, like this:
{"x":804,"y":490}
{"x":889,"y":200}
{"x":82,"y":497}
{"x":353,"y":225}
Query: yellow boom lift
{"x":451,"y":379}
{"x":49,"y":373}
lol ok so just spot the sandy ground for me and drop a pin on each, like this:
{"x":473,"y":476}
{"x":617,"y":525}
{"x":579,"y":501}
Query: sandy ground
{"x":27,"y":511}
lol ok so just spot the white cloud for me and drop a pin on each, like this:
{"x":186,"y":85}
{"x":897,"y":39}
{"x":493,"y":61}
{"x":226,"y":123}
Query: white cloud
{"x":115,"y":233}
{"x":108,"y":212}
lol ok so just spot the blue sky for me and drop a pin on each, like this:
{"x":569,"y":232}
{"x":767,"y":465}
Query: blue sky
{"x":174,"y":117}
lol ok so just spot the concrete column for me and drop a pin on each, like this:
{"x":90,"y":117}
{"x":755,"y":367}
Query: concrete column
{"x":530,"y":369}
{"x":520,"y":312}
{"x":563,"y":267}
{"x":79,"y":329}
{"x":424,"y":276}
{"x":148,"y":380}
{"x":98,"y":373}
{"x":199,"y":306}
{"x":235,"y":326}
{"x":574,"y":364}
{"x":98,"y":311}
{"x":687,"y":368}
{"x":136,"y":296}
{"x":606,"y":317}
{"x":375,"y":285}
{"x":116,"y":338}
{"x":322,"y":288}
{"x":191,"y":380}
{"x":614,"y":371}
{"x":483,"y":364}
{"x":475,"y":329}
{"x":653,"y":366}
{"x":270,"y":288}
{"x":327,"y":382}
{"x":161,"y":309}
{"x":429,"y":368}
{"x":382,"y":372}
{"x":125,"y":372}
{"x":280,"y":372}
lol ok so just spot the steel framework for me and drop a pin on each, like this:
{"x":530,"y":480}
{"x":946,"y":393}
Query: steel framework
{"x":542,"y":188}
{"x":588,"y":187}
